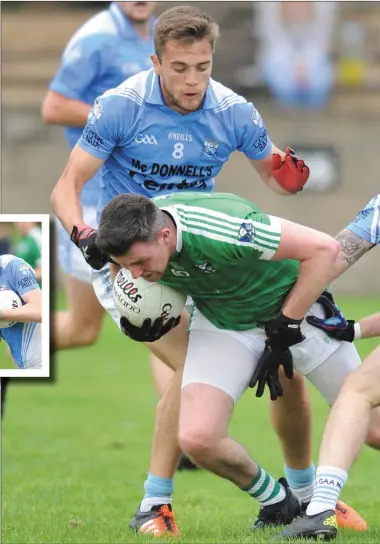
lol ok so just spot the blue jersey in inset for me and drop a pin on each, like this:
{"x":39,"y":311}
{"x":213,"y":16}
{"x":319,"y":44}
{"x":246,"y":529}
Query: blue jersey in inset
{"x":151,"y":149}
{"x":367,"y":222}
{"x":102,"y":54}
{"x":23,"y":339}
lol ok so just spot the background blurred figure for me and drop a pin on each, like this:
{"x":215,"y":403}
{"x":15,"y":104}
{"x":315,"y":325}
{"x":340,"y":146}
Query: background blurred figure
{"x":4,"y":238}
{"x":28,"y":245}
{"x":110,"y":47}
{"x":295,"y":60}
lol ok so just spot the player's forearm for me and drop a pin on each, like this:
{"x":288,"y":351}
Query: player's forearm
{"x":352,"y":248}
{"x":59,"y":110}
{"x":66,"y":204}
{"x":30,"y":312}
{"x":313,"y":277}
{"x":370,"y":326}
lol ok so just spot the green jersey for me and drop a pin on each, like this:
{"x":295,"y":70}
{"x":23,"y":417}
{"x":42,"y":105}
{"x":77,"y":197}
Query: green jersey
{"x":29,"y":248}
{"x":223,"y":259}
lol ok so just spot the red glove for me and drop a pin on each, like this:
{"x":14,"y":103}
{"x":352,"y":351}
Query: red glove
{"x":291,"y":173}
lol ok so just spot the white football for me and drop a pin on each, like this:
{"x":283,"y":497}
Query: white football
{"x":139,"y":299}
{"x":8,"y":300}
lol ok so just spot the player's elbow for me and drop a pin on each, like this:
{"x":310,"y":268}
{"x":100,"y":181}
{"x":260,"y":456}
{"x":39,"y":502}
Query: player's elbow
{"x":49,"y":110}
{"x":328,"y":248}
{"x":55,"y":197}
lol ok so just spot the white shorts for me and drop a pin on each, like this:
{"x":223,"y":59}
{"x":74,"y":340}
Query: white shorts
{"x":31,"y":351}
{"x":102,"y":284}
{"x":227,"y":359}
{"x":70,"y":257}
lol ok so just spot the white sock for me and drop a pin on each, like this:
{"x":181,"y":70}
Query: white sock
{"x":329,"y":482}
{"x":146,"y":504}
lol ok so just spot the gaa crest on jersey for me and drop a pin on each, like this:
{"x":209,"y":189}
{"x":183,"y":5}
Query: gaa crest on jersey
{"x":207,"y":267}
{"x":95,"y":113}
{"x":25,"y":269}
{"x":210,"y":147}
{"x":363,"y":214}
{"x":257,"y":119}
{"x":246,"y":232}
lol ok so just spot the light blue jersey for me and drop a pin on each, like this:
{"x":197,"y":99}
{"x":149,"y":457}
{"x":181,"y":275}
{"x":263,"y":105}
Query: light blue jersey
{"x":367,"y":222}
{"x":151,"y":149}
{"x":101,"y":55}
{"x":23,"y":339}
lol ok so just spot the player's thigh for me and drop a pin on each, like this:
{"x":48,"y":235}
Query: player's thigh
{"x":204,"y":415}
{"x":83,"y":303}
{"x":218,"y":359}
{"x":330,"y":375}
{"x":366,"y":379}
{"x":172,"y":347}
{"x":162,"y":374}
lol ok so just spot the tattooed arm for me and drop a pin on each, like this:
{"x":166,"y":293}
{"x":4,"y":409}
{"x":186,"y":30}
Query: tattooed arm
{"x":352,"y":247}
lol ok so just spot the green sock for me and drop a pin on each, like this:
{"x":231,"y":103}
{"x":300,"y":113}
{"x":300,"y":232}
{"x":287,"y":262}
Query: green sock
{"x":265,"y":489}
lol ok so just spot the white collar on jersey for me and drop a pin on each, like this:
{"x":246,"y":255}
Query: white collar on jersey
{"x":170,"y":210}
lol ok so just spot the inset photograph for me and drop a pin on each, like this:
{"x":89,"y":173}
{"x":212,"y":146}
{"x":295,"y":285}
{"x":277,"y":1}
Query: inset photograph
{"x":24,"y":295}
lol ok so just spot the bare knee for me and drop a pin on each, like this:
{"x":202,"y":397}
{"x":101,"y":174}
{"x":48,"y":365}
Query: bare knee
{"x":86,"y":333}
{"x":373,"y":434}
{"x":373,"y":438}
{"x":197,"y":444}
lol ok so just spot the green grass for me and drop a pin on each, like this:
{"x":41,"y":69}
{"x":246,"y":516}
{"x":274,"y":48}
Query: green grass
{"x":75,"y":454}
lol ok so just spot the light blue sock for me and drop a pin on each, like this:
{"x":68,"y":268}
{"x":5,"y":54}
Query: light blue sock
{"x":157,"y":491}
{"x":301,"y":482}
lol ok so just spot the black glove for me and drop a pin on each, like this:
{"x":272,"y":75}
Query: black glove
{"x":335,"y":324}
{"x":148,"y":332}
{"x":84,"y":237}
{"x":282,"y":333}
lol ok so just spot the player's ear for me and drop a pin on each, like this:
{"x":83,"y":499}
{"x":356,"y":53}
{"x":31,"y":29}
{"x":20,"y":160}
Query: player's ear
{"x":156,"y":64}
{"x":165,"y":234}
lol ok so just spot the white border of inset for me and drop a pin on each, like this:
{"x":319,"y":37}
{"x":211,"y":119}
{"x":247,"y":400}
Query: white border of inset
{"x":44,"y":219}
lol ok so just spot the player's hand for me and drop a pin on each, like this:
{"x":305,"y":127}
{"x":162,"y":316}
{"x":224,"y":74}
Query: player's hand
{"x":291,"y":173}
{"x":266,"y":371}
{"x":148,"y":332}
{"x":334,"y":324}
{"x":282,"y":333}
{"x":84,"y":237}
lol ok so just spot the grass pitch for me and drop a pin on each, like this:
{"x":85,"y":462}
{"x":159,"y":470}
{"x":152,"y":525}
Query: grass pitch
{"x":75,"y":454}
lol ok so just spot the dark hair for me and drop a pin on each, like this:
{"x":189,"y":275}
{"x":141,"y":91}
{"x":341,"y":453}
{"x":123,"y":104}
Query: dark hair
{"x":184,"y":24}
{"x":128,"y":219}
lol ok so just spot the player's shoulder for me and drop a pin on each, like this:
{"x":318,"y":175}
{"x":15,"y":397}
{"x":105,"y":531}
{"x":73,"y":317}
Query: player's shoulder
{"x":93,"y":33}
{"x":134,"y":89}
{"x":223,"y":98}
{"x":122,"y":105}
{"x":223,"y":203}
{"x":9,"y":261}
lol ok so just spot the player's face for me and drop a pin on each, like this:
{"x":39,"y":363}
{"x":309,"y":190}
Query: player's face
{"x":24,"y":227}
{"x":147,"y":259}
{"x":185,"y":71}
{"x":137,"y":12}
